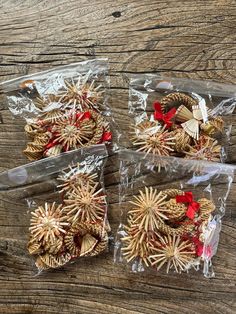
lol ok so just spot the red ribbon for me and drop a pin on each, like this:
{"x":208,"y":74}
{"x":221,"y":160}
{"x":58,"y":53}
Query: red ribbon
{"x":165,"y":117}
{"x":193,"y":206}
{"x":198,"y":246}
{"x":50,"y":144}
{"x":83,"y":115}
{"x":106,"y":137}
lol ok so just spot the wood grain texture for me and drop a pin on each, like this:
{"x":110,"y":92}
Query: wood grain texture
{"x":194,"y":39}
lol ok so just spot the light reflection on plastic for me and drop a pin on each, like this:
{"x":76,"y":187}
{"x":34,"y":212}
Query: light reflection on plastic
{"x":18,"y":175}
{"x":164,"y":85}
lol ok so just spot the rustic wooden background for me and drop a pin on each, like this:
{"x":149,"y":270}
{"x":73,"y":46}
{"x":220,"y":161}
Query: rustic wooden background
{"x":183,"y":38}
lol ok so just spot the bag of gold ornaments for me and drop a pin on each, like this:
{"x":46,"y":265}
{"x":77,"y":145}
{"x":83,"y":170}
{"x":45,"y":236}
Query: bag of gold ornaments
{"x":65,"y":108}
{"x":181,"y":117}
{"x":170,"y":216}
{"x":67,"y":203}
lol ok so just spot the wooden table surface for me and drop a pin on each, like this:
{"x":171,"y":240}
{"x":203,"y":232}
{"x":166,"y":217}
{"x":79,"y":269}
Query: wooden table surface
{"x":181,"y":38}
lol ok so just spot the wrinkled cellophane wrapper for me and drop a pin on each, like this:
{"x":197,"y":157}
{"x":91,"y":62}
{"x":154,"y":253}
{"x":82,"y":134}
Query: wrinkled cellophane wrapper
{"x":190,"y":118}
{"x":171,"y":211}
{"x":67,"y":206}
{"x":65,"y":108}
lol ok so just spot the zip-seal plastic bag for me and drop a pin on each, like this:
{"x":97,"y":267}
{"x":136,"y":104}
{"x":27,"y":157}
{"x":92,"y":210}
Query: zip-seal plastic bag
{"x":67,"y":205}
{"x":65,"y":108}
{"x":181,"y":117}
{"x":170,"y":215}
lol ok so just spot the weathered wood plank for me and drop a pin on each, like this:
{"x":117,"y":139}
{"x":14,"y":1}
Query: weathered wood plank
{"x":194,"y":39}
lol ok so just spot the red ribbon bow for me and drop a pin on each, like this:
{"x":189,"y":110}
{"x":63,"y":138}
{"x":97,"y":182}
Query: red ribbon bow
{"x":193,"y":206}
{"x":165,"y":117}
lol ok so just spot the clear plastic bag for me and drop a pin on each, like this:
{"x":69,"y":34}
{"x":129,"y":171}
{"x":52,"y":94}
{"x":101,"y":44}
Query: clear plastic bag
{"x":181,"y":117}
{"x":67,"y":205}
{"x":65,"y":108}
{"x":171,"y":211}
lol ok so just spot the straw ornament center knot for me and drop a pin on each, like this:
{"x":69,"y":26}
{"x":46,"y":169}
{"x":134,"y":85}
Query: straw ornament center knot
{"x":171,"y":252}
{"x":155,"y":141}
{"x":86,"y":201}
{"x":49,"y":222}
{"x":71,"y":130}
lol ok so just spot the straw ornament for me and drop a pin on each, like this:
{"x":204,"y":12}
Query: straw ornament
{"x":75,"y":228}
{"x":182,"y":140}
{"x":206,"y":148}
{"x":32,"y":129}
{"x":53,"y":151}
{"x":40,"y":264}
{"x":70,"y":180}
{"x":34,"y":247}
{"x":86,"y":239}
{"x":180,"y":230}
{"x":102,"y":243}
{"x":44,"y":102}
{"x":136,"y":245}
{"x":160,"y":142}
{"x":148,"y":209}
{"x":47,"y":260}
{"x":35,"y":149}
{"x":33,"y":152}
{"x":190,"y":120}
{"x":47,"y":223}
{"x":55,"y":246}
{"x":65,"y":131}
{"x":173,"y":252}
{"x":52,"y":116}
{"x":177,"y":99}
{"x":79,"y":130}
{"x":175,"y":210}
{"x":172,"y":192}
{"x":85,"y":203}
{"x":85,"y":95}
{"x":206,"y":208}
{"x":72,"y":132}
{"x":41,"y":139}
{"x":145,"y":128}
{"x":213,"y":126}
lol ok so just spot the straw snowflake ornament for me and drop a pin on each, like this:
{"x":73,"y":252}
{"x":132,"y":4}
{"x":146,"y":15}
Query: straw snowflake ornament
{"x":47,"y":223}
{"x":148,"y":209}
{"x":177,"y":254}
{"x":148,"y":140}
{"x":52,"y":116}
{"x":81,"y":93}
{"x":85,"y":203}
{"x":43,"y":102}
{"x":72,"y":179}
{"x":71,"y":131}
{"x":205,"y":149}
{"x":136,"y":244}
